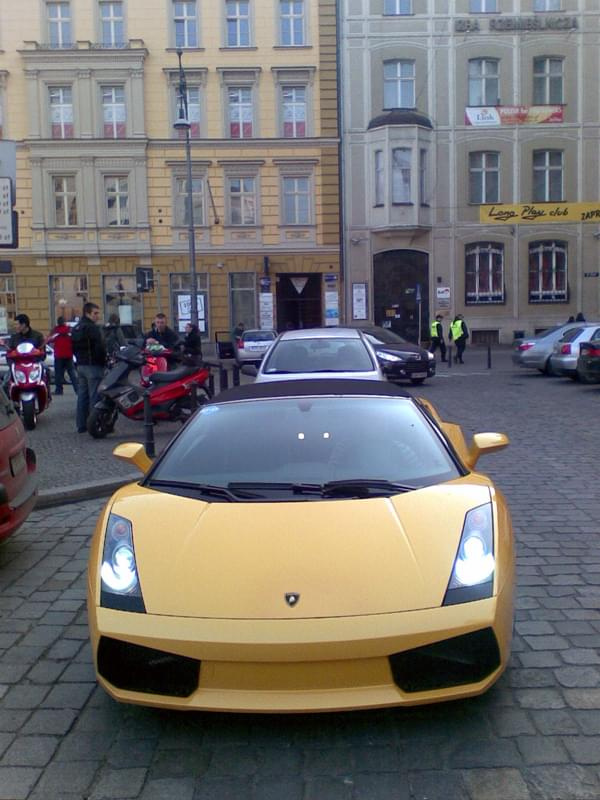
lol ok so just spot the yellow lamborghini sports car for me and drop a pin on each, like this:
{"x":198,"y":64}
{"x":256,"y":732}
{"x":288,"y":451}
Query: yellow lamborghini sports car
{"x":314,"y":545}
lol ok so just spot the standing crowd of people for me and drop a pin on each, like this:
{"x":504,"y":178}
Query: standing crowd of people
{"x":84,"y":351}
{"x":458,"y":332}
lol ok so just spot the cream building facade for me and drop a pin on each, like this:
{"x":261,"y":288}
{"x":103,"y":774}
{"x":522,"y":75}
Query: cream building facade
{"x":89,"y":92}
{"x":471,"y":133}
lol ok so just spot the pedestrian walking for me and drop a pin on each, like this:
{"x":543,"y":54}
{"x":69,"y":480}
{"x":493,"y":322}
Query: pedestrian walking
{"x":437,"y":337}
{"x":160,"y":333}
{"x":459,"y":333}
{"x":60,"y":339}
{"x":89,"y":349}
{"x":237,"y":332}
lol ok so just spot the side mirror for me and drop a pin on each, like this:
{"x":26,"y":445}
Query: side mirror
{"x":485,"y":443}
{"x":249,"y":369}
{"x":134,"y":453}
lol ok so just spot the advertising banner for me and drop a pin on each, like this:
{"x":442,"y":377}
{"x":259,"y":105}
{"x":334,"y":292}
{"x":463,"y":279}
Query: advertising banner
{"x":539,"y":212}
{"x":489,"y":116}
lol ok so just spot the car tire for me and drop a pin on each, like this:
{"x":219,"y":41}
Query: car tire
{"x":101,"y":422}
{"x":417,"y":381}
{"x":29,"y":414}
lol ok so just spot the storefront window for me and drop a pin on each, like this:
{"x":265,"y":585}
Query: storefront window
{"x":68,"y":293}
{"x":242,"y":298}
{"x":121,"y":298}
{"x":8,"y":303}
{"x":181,"y":299}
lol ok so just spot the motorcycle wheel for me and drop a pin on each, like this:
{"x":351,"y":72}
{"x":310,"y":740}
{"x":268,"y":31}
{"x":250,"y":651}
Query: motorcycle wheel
{"x":29,"y":414}
{"x":100,"y":423}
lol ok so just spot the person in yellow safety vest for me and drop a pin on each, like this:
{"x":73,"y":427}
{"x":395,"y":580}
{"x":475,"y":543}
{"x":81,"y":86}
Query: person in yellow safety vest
{"x":459,"y":334}
{"x":437,"y":337}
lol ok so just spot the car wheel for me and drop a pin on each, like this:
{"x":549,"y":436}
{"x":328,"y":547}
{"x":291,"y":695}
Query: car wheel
{"x":548,"y":368}
{"x":29,"y":415}
{"x":100,"y":423}
{"x":417,"y":381}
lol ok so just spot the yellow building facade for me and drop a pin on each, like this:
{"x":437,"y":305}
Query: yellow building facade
{"x":90,"y":91}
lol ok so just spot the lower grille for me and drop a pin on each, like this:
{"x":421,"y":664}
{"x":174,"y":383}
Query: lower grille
{"x":141,"y":669}
{"x":452,"y":662}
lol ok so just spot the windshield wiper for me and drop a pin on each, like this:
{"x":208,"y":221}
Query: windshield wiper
{"x":364,"y":487}
{"x":200,"y":490}
{"x":295,"y":488}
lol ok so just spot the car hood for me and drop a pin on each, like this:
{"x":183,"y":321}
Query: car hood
{"x":343,"y":557}
{"x":399,"y":348}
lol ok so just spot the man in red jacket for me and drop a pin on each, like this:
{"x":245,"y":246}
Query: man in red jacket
{"x":60,"y":339}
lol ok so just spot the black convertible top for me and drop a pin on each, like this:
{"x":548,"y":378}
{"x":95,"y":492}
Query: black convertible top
{"x":310,"y":387}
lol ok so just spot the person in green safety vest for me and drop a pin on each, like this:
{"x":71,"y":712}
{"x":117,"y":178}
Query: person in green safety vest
{"x":437,"y":337}
{"x":459,"y":333}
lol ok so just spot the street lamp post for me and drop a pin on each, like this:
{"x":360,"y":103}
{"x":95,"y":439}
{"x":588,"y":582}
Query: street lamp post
{"x":183,"y":123}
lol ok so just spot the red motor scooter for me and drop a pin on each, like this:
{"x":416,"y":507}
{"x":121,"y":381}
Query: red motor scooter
{"x":28,"y":386}
{"x":137,"y":370}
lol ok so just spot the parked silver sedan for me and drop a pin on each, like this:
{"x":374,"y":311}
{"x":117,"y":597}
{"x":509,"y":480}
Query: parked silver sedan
{"x":318,"y":353}
{"x":563,"y":361}
{"x":534,"y":352}
{"x":251,"y":346}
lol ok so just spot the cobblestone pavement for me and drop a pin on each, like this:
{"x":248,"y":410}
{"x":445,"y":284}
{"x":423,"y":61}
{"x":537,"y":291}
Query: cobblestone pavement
{"x":534,"y":736}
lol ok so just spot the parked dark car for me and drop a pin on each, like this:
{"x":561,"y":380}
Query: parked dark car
{"x":588,"y":363}
{"x":400,"y":360}
{"x":18,"y":483}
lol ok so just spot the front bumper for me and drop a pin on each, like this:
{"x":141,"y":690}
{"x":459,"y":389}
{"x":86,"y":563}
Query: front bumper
{"x":398,"y":371}
{"x":305,"y":664}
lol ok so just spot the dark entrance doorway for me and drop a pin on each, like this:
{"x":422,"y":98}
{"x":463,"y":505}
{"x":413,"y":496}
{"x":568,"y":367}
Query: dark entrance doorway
{"x":400,"y":280}
{"x":298,"y":301}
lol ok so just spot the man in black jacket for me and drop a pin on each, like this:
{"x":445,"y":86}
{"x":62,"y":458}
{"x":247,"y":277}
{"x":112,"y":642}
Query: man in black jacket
{"x":25,"y":333}
{"x":160,"y":333}
{"x":89,"y":349}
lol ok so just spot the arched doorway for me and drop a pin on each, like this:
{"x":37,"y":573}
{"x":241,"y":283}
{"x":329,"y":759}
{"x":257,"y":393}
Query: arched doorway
{"x":401,"y":292}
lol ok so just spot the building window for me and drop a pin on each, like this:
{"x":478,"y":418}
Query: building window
{"x":238,"y":23}
{"x":186,"y":24}
{"x":483,"y":6}
{"x":379,"y":179}
{"x":484,"y":273}
{"x":484,"y":178}
{"x":113,"y":112}
{"x":116,"y":191}
{"x":294,"y":111}
{"x":546,"y":5}
{"x":242,"y":298}
{"x":401,"y":164}
{"x":423,"y":183}
{"x":61,"y":112}
{"x":8,"y":302}
{"x":68,"y":294}
{"x":111,"y":22}
{"x":181,"y":201}
{"x":397,"y":7}
{"x":547,"y":176}
{"x":242,"y":201}
{"x":240,"y":112}
{"x":548,"y":81}
{"x":59,"y":24}
{"x":296,"y":201}
{"x":122,"y":298}
{"x":399,"y":84}
{"x":484,"y":82}
{"x":180,"y":300}
{"x":291,"y":23}
{"x":548,"y":272}
{"x":65,"y":200}
{"x":194,"y":111}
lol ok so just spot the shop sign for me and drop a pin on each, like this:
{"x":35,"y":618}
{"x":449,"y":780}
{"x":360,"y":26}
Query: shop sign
{"x":539,"y":212}
{"x":332,"y":310}
{"x":516,"y":24}
{"x":493,"y":116}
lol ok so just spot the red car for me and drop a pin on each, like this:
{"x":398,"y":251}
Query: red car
{"x":18,"y":482}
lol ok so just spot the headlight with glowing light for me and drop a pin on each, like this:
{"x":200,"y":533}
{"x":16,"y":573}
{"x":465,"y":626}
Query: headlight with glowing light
{"x":387,"y":356}
{"x":473,"y":573}
{"x":120,"y":583}
{"x":430,"y":356}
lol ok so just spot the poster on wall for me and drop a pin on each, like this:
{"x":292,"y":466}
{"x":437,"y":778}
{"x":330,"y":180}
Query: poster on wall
{"x":443,"y":296}
{"x":332,"y":309}
{"x":184,"y":312}
{"x":265,"y":310}
{"x":125,"y":315}
{"x":359,"y":301}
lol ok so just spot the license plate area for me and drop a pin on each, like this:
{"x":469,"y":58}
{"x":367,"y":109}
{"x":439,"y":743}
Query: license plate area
{"x":419,"y":375}
{"x":17,"y":464}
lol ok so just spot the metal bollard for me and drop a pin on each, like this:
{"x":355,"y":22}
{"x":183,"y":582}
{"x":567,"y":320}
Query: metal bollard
{"x":223,"y":378}
{"x":489,"y":354}
{"x":236,"y":375}
{"x":449,"y":356}
{"x":194,"y":396}
{"x":211,"y":383}
{"x":148,"y":426}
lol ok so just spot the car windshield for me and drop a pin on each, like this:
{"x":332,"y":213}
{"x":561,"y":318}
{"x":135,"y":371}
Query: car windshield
{"x":319,"y":355}
{"x":384,"y":336}
{"x":270,"y":446}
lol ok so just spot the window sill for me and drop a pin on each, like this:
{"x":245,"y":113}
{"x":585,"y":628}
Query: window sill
{"x":296,"y":226}
{"x":237,"y":48}
{"x":292,"y":47}
{"x":379,"y":205}
{"x":402,"y":204}
{"x":185,"y":50}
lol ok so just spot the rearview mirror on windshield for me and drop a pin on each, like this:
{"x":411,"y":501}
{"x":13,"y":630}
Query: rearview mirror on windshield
{"x":134,"y":453}
{"x":485,"y":443}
